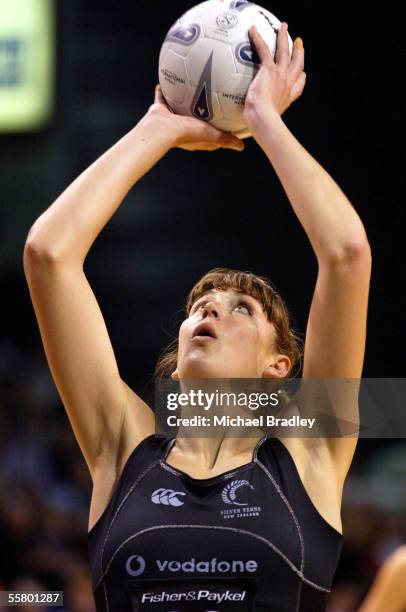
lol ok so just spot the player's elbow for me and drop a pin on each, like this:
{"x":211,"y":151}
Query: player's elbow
{"x":358,"y":249}
{"x":37,"y":253}
{"x":354,"y":251}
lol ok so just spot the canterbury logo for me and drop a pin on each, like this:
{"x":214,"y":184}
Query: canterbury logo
{"x":229,"y":493}
{"x":167,"y":497}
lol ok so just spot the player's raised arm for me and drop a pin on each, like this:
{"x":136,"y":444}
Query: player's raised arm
{"x":336,"y":329}
{"x":105,"y":414}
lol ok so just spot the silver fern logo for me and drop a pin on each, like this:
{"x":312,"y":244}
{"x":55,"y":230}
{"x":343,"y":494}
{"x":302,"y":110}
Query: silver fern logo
{"x":229,"y":493}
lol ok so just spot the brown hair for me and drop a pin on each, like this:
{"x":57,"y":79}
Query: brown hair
{"x":288,"y":342}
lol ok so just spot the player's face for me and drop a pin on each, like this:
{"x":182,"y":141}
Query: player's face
{"x":226,"y":335}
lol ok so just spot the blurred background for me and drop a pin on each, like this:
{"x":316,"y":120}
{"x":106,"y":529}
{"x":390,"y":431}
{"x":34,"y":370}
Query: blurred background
{"x":74,"y":77}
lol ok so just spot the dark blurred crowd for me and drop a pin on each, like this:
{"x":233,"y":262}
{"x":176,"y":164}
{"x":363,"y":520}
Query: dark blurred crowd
{"x":45,"y":490}
{"x":45,"y":487}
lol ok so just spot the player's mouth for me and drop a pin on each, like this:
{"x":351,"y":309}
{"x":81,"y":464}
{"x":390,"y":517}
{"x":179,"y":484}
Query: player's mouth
{"x":204,"y":331}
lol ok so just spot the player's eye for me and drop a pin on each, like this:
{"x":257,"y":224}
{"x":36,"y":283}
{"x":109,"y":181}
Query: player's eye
{"x":244,"y":308}
{"x":197,"y":306}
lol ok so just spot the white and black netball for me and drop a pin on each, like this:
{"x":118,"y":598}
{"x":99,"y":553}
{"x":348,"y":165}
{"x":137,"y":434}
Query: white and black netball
{"x":207,"y":62}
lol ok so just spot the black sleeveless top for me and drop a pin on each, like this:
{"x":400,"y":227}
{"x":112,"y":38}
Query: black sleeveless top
{"x":247,"y":540}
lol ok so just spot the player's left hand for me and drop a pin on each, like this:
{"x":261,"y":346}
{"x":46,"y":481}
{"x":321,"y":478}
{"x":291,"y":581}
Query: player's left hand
{"x":280,"y":79}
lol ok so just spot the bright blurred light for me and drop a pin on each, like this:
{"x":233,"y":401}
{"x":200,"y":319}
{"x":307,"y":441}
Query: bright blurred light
{"x":27,"y":30}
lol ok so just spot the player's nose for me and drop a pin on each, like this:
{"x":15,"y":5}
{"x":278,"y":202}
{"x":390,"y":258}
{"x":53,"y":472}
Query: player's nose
{"x":212,"y":309}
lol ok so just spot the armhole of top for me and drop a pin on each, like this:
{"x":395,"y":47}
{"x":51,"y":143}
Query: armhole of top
{"x":286,"y":452}
{"x":119,"y":482}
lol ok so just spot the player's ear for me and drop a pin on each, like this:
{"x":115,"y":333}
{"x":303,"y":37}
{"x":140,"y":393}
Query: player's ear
{"x":278,"y":367}
{"x":175,"y":375}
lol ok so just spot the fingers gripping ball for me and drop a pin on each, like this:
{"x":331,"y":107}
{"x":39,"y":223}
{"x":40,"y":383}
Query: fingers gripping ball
{"x":207,"y":61}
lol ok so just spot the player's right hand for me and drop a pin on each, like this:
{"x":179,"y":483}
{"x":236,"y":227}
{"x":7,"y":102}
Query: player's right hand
{"x":190,"y":133}
{"x":280,"y":79}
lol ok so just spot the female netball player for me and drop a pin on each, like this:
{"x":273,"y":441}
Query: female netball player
{"x":207,"y":524}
